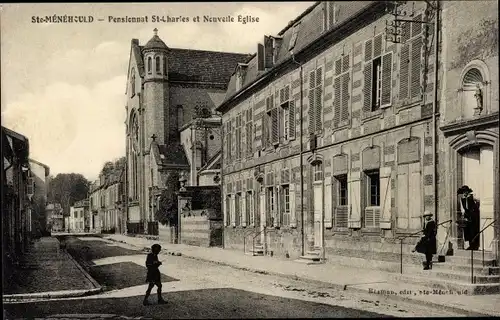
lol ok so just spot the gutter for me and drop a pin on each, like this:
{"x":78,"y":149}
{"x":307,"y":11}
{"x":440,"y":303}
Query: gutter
{"x":434,"y":111}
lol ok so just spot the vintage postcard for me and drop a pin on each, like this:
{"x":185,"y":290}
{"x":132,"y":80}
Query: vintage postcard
{"x":250,"y":159}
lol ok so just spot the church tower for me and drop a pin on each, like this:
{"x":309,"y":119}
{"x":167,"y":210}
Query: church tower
{"x":156,"y":91}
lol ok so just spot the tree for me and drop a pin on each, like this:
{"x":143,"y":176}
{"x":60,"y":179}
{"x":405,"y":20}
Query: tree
{"x":68,"y":188}
{"x":120,"y":163}
{"x":168,"y":208}
{"x":108,"y":168}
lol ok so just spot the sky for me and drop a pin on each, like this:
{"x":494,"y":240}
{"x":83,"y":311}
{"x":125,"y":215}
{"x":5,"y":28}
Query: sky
{"x":63,"y":84}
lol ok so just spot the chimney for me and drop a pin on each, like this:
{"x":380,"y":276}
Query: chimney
{"x":277,"y":41}
{"x":260,"y":57}
{"x":135,"y":42}
{"x":268,"y":52}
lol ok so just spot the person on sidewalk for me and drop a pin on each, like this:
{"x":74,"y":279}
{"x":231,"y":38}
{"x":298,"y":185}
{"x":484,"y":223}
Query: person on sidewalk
{"x":153,"y":276}
{"x":470,"y":214}
{"x":427,"y":244}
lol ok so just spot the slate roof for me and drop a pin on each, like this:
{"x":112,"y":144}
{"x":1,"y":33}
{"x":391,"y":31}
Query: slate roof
{"x":191,"y":65}
{"x":155,"y":43}
{"x":310,"y":30}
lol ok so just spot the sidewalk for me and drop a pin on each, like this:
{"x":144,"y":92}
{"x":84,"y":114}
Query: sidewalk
{"x":46,"y":271}
{"x":343,"y":278}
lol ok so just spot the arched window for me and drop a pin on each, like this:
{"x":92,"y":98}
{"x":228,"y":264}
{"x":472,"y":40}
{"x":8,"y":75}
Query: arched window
{"x":157,"y":65}
{"x":150,"y":67}
{"x":165,"y":65}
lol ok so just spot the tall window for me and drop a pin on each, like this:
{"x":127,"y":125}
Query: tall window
{"x":377,"y":90}
{"x":410,"y":63}
{"x":150,"y":65}
{"x":228,"y":210}
{"x":249,"y":208}
{"x":239,"y":209}
{"x":342,"y":190}
{"x":270,"y":204}
{"x":249,"y":132}
{"x":286,"y":205}
{"x":158,"y":64}
{"x":287,"y":114}
{"x":318,"y":171}
{"x":373,"y":186}
{"x":341,"y":90}
{"x":316,"y":100}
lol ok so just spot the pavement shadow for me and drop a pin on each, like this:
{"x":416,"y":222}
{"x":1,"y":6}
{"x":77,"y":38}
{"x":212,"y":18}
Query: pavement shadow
{"x":192,"y":304}
{"x":122,"y":275}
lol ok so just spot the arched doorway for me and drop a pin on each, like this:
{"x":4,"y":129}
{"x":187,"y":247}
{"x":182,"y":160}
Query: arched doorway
{"x":478,"y":172}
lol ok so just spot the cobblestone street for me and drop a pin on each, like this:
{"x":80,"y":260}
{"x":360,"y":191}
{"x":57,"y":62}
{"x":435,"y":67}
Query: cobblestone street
{"x":197,"y":289}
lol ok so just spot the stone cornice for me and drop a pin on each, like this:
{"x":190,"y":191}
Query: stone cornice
{"x":464,"y":125}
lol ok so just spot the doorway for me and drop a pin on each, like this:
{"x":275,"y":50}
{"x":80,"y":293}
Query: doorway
{"x":478,"y":173}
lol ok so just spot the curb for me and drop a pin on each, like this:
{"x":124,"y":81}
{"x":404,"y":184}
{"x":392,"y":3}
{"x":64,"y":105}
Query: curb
{"x":342,"y":287}
{"x":94,"y":283}
{"x":49,"y":295}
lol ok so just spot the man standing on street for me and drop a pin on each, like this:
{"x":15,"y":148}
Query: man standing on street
{"x":153,"y":276}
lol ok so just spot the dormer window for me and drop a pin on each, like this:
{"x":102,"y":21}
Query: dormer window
{"x":150,"y":65}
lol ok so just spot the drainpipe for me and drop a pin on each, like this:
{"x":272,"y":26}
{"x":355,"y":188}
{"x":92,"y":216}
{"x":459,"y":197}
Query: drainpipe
{"x":434,"y":110}
{"x":301,"y":160}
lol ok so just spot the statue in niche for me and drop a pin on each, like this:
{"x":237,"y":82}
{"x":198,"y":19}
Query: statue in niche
{"x":479,"y":98}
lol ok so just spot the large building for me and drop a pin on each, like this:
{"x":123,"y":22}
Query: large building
{"x":166,"y":89}
{"x":338,"y":134}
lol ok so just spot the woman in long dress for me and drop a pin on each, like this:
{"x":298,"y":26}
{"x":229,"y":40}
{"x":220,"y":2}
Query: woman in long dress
{"x":470,"y":214}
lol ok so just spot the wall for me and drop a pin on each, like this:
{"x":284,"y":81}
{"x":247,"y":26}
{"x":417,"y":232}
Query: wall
{"x":198,"y":230}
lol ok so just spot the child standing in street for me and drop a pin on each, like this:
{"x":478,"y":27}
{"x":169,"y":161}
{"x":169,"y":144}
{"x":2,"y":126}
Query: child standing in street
{"x":153,"y":276}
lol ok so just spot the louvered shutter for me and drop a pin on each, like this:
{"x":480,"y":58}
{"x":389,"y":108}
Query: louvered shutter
{"x":377,"y":46}
{"x":312,"y":82}
{"x":386,"y":80}
{"x":275,"y":126}
{"x":368,"y":50}
{"x":405,"y":32}
{"x":319,"y":99}
{"x":337,"y":101}
{"x":344,"y":115}
{"x":234,"y":138}
{"x":346,"y":63}
{"x":367,"y":88}
{"x":404,"y":73}
{"x":416,"y":51}
{"x":415,"y":207}
{"x":328,"y":202}
{"x":233,"y":210}
{"x":279,"y":207}
{"x":244,"y":209}
{"x":416,"y":28}
{"x":291,"y":119}
{"x":243,"y":134}
{"x":331,"y":13}
{"x":402,"y":197}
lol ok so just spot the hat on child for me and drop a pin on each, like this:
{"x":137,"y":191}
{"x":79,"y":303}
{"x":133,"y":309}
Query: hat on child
{"x":427,"y":213}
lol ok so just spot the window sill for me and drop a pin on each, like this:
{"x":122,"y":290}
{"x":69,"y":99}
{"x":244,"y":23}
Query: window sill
{"x":371,"y":115}
{"x":342,"y":125}
{"x":408,"y":104}
{"x":371,"y":230}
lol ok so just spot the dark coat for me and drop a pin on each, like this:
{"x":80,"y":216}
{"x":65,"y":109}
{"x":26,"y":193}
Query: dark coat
{"x":152,"y":263}
{"x":428,"y":243}
{"x":472,"y":223}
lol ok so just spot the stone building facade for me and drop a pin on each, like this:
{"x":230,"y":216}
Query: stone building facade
{"x":469,"y":114}
{"x":165,"y":88}
{"x":329,"y":139}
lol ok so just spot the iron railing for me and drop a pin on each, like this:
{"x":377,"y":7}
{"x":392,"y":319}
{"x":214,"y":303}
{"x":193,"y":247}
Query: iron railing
{"x":410,"y":235}
{"x":472,"y":279}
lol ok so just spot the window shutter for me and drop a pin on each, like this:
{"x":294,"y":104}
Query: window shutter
{"x":402,"y":197}
{"x":328,"y":202}
{"x":337,"y":101}
{"x":233,"y":210}
{"x":319,"y":99}
{"x":416,"y":51}
{"x":233,"y":139}
{"x":377,"y":46}
{"x":244,"y":209}
{"x":367,"y":89}
{"x":346,"y":63}
{"x":368,"y":50}
{"x":293,"y":220}
{"x":243,"y":133}
{"x":405,"y":32}
{"x":386,"y":80}
{"x":291,"y":119}
{"x":416,"y":28}
{"x":279,"y":207}
{"x":344,"y":115}
{"x":275,"y":126}
{"x":338,"y":67}
{"x":415,"y":190}
{"x":404,"y":76}
{"x":312,"y":82}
